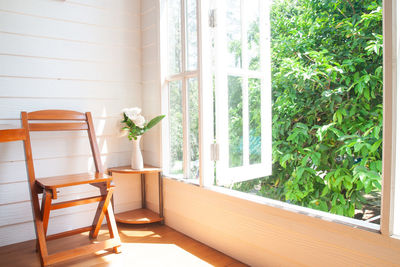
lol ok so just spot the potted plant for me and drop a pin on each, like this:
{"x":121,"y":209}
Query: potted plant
{"x":135,"y":125}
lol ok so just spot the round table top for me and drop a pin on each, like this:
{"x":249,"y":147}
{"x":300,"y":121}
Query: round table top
{"x":128,"y":169}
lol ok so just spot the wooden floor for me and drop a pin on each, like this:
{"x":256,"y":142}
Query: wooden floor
{"x":149,"y":245}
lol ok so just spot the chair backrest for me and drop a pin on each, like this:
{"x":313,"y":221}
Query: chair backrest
{"x":9,"y":135}
{"x":59,"y":120}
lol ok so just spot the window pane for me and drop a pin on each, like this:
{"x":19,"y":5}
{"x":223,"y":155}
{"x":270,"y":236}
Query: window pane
{"x":174,"y":37}
{"x":234,"y":33}
{"x":255,"y":120}
{"x":175,"y":128}
{"x":193,"y":128}
{"x":253,"y":33}
{"x":191,"y":35}
{"x":235,"y":121}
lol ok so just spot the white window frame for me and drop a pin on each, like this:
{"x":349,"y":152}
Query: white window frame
{"x":227,"y":175}
{"x":391,"y":123}
{"x":182,"y":76}
{"x":394,"y":212}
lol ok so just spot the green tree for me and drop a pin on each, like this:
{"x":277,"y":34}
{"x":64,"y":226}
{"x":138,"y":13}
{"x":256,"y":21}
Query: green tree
{"x":327,"y":104}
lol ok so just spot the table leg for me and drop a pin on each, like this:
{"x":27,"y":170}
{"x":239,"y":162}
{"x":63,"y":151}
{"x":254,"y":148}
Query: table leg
{"x":143,"y":181}
{"x":160,"y":197}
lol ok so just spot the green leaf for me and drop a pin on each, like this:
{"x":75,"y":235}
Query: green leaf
{"x":336,"y":131}
{"x":316,"y":158}
{"x":325,"y":191}
{"x":299,"y":172}
{"x":375,"y":146}
{"x":376,"y":132}
{"x":377,"y":184}
{"x":304,"y":160}
{"x":284,"y":159}
{"x":338,"y":181}
{"x":154,"y":121}
{"x":358,"y":146}
{"x":351,"y":210}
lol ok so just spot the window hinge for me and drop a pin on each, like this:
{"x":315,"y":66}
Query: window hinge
{"x":212,"y":18}
{"x":214,"y":152}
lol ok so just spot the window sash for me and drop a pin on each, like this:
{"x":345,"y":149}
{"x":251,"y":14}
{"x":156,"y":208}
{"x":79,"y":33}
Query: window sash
{"x":226,"y":174}
{"x":184,"y":76}
{"x":390,"y":65}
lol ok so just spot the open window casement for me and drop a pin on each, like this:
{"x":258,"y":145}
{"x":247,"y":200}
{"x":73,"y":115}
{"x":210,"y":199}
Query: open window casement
{"x":242,"y":90}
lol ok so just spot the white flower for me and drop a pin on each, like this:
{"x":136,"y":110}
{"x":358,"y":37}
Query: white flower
{"x":139,"y":121}
{"x":132,"y":113}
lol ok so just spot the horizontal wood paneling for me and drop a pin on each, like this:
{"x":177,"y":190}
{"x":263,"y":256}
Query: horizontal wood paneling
{"x":68,"y":11}
{"x":151,"y":91}
{"x":64,"y":30}
{"x":69,"y":70}
{"x":148,"y":36}
{"x":14,"y":171}
{"x":14,"y":233}
{"x":124,"y":7}
{"x":261,"y":235}
{"x":8,"y":192}
{"x":62,"y":147}
{"x":148,"y":73}
{"x":65,"y":50}
{"x":12,"y":107}
{"x":76,"y":55}
{"x":19,"y":211}
{"x":67,"y":89}
{"x":148,"y":17}
{"x":147,"y":5}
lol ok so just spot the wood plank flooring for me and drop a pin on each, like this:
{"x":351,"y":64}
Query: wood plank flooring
{"x":148,"y":245}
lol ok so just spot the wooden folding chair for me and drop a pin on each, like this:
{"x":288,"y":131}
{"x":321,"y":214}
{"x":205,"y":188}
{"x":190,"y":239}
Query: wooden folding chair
{"x":65,"y":120}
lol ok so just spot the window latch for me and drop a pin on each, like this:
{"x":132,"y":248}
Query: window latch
{"x":214,"y":152}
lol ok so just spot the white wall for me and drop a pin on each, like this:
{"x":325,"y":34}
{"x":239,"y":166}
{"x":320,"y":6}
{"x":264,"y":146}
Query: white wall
{"x":82,"y":55}
{"x":151,"y":93}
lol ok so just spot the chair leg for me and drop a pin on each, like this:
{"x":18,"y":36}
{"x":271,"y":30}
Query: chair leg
{"x":112,"y":227}
{"x":46,"y":204}
{"x":40,"y":235}
{"x":45,"y":212}
{"x":101,"y":211}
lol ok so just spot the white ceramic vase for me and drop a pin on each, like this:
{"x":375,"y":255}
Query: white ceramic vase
{"x":137,"y":158}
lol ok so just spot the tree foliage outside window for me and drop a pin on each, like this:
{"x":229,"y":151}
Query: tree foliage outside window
{"x":327,"y":104}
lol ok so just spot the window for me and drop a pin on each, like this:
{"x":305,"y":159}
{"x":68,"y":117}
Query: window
{"x":240,"y":69}
{"x":242,"y":90}
{"x":181,"y":153}
{"x":278,"y":154}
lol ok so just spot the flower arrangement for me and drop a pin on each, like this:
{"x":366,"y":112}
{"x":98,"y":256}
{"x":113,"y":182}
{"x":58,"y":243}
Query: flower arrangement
{"x":135,"y":124}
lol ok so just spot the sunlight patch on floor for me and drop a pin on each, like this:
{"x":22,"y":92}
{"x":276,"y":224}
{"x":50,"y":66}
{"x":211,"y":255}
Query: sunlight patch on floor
{"x":148,"y":254}
{"x":140,"y":233}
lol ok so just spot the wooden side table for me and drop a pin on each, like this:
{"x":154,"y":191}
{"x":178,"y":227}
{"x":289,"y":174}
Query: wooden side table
{"x":143,"y":215}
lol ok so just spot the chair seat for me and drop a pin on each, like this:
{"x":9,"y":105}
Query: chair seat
{"x":73,"y":179}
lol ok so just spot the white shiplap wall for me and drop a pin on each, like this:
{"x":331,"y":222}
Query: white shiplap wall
{"x":151,"y":84}
{"x":81,"y":55}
